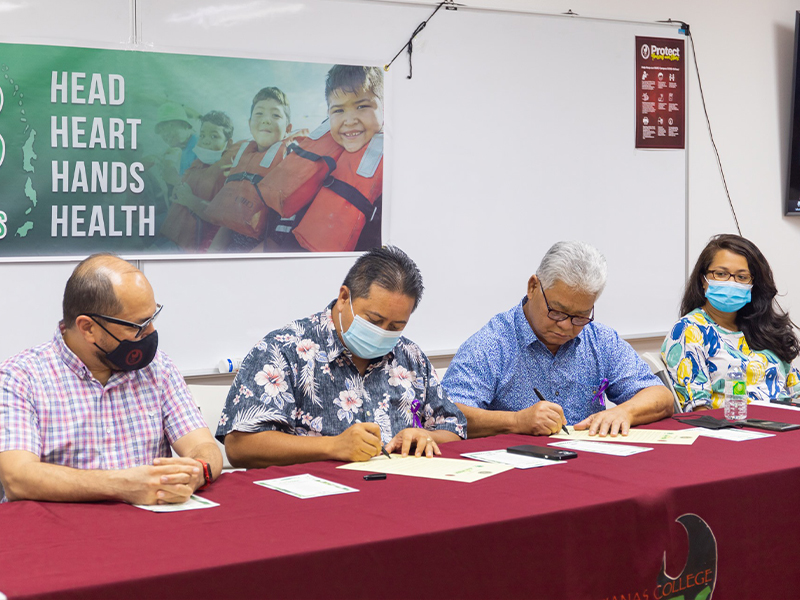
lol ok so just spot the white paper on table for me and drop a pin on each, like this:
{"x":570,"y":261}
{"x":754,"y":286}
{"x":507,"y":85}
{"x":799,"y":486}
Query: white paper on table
{"x":449,"y":469}
{"x":684,"y":437}
{"x":518,"y":461}
{"x":601,"y":447}
{"x":305,"y":486}
{"x":732,"y":435}
{"x":193,"y":503}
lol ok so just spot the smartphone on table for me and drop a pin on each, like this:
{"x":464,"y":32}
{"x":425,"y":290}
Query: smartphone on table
{"x":542,"y":452}
{"x":768,"y":425}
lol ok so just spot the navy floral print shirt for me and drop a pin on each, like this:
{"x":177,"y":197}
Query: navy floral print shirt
{"x":301,"y":380}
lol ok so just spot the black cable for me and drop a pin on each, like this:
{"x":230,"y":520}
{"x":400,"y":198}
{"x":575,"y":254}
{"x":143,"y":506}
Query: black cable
{"x":410,"y":43}
{"x":708,"y":122}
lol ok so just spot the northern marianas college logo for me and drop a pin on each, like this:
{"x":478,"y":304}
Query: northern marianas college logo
{"x":696,"y":581}
{"x":699,"y":575}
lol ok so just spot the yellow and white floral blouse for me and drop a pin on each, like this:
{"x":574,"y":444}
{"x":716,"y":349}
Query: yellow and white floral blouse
{"x":698,"y":353}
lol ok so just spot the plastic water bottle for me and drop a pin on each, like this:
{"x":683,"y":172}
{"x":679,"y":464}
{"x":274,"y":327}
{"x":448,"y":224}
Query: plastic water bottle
{"x":736,"y":395}
{"x":229,"y":365}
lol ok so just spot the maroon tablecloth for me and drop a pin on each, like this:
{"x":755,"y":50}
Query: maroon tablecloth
{"x":595,"y":527}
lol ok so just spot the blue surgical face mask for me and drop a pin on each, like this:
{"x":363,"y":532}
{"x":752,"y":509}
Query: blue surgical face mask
{"x":206,"y":156}
{"x":366,"y":340}
{"x":728,"y":296}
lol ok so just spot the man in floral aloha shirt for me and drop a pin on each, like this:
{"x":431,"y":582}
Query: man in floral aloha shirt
{"x":343,"y":382}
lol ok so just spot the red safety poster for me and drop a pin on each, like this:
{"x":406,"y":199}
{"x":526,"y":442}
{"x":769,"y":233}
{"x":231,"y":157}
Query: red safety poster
{"x":660,"y":93}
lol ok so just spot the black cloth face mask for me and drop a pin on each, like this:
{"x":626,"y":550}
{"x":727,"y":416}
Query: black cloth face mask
{"x":131,"y":355}
{"x":706,"y":421}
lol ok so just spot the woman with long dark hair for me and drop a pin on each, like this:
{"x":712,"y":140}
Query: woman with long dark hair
{"x":731,"y":318}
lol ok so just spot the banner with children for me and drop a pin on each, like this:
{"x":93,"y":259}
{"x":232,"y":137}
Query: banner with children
{"x":148,"y":154}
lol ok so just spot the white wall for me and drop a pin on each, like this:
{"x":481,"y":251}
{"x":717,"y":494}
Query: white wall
{"x":744,"y":49}
{"x":604,"y":207}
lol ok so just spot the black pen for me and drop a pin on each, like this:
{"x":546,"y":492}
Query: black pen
{"x":383,"y":450}
{"x":538,"y":393}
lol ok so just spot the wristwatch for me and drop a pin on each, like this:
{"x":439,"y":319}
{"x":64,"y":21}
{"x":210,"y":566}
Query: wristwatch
{"x":206,"y":475}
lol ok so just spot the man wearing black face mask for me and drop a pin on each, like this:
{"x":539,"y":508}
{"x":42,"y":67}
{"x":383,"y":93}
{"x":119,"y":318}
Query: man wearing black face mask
{"x":92,"y":414}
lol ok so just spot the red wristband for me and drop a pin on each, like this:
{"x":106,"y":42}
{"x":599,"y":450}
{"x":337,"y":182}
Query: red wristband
{"x":206,"y":475}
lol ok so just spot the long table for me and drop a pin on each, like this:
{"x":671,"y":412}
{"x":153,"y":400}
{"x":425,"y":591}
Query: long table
{"x":595,"y":527}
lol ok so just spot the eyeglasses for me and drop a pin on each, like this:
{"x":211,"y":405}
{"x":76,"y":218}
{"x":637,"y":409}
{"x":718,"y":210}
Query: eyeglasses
{"x":139,"y":327}
{"x":725,"y":276}
{"x":558,"y":316}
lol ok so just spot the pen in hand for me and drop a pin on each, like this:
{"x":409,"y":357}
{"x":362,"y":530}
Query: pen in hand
{"x":538,"y":393}
{"x":383,"y":449}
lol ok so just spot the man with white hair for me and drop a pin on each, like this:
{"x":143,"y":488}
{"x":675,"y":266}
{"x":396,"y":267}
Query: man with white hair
{"x":550,"y":343}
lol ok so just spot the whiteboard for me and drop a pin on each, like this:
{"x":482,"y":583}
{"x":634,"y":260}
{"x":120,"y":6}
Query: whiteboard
{"x":515,"y":131}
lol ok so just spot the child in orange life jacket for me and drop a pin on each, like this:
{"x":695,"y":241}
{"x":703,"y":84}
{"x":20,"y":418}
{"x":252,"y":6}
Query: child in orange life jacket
{"x":162,"y":172}
{"x":355,"y":105}
{"x":173,"y":125}
{"x":186,"y":223}
{"x":343,"y":214}
{"x":238,"y":207}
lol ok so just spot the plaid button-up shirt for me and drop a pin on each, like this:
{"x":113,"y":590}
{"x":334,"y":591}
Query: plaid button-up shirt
{"x":52,"y":406}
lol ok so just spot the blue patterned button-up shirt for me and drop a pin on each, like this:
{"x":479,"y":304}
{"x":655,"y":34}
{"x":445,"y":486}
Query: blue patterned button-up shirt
{"x":498,"y":367}
{"x":301,"y":380}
